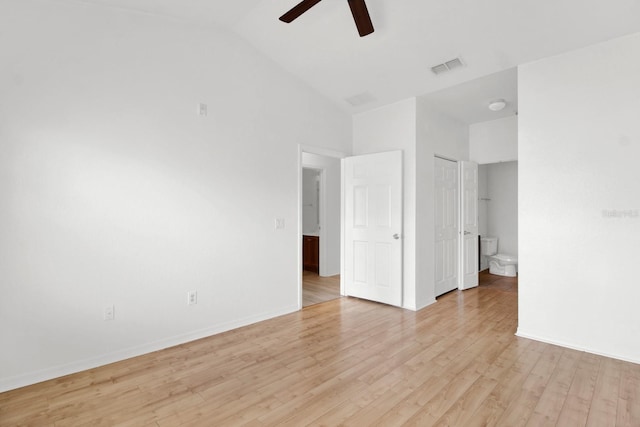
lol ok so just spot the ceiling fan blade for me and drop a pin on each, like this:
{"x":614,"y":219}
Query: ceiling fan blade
{"x":361,"y":16}
{"x":298,"y":10}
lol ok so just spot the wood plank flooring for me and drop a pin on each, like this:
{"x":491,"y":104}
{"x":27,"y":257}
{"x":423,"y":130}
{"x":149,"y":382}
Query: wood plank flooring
{"x":351,"y":362}
{"x":317,"y":289}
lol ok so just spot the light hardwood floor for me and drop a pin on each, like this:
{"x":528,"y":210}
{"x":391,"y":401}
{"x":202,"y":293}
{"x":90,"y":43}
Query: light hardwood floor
{"x":317,"y":289}
{"x":351,"y":362}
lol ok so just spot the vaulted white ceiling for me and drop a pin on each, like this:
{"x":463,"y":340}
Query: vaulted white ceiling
{"x":323,"y":48}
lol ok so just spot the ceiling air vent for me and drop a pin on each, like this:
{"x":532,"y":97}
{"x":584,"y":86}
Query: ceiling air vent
{"x":360,"y":99}
{"x":447,"y":66}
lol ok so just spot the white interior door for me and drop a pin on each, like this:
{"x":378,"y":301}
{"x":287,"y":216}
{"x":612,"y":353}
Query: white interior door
{"x":446,"y":226}
{"x":373,"y":227}
{"x":469,"y":224}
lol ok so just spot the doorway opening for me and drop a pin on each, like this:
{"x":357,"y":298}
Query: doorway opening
{"x":320,"y":226}
{"x":498,"y":208}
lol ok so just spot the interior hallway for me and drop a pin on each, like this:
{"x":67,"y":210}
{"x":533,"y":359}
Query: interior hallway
{"x":317,"y":289}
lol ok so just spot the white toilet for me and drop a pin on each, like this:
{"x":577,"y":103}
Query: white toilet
{"x":500,"y":264}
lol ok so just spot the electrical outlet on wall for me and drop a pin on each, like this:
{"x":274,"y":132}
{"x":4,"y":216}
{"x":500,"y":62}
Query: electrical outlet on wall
{"x":192,"y":297}
{"x":109,"y":312}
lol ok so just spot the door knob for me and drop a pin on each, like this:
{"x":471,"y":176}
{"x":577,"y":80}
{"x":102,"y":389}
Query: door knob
{"x":396,"y":236}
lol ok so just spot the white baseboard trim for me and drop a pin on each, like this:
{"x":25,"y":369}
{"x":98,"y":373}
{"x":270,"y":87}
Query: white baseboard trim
{"x":31,"y":378}
{"x":329,"y":273}
{"x":534,"y":337}
{"x":424,"y":305}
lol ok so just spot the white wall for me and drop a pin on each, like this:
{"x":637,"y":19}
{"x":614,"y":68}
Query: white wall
{"x":417,"y":128}
{"x":116,"y":192}
{"x":483,"y":193}
{"x":310,"y":201}
{"x":579,"y":204}
{"x":502,"y":209}
{"x":330,"y":248}
{"x":438,"y":134}
{"x":494,"y":141}
{"x":393,"y":127}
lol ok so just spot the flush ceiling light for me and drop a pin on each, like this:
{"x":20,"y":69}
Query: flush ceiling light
{"x":497,"y":105}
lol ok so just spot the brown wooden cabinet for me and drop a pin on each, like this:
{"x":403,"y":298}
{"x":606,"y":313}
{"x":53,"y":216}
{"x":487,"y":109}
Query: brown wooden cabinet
{"x":311,"y":253}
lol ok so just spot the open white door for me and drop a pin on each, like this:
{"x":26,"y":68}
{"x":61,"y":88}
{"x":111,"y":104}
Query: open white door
{"x":447,"y":224}
{"x":469,"y":224}
{"x":373,"y":227}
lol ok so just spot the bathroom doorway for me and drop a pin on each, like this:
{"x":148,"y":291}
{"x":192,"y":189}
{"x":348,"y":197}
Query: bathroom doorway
{"x":320,"y":216}
{"x":498,"y":206}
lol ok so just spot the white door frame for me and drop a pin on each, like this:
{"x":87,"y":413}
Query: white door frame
{"x":321,"y":152}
